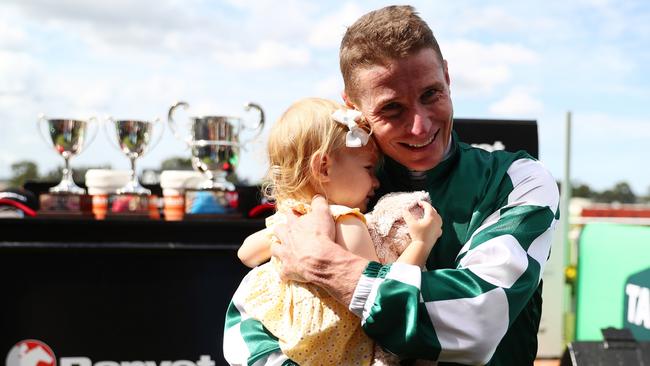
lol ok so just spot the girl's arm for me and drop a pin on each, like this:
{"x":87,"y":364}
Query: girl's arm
{"x":424,"y":232}
{"x":256,"y":249}
{"x":352,"y":234}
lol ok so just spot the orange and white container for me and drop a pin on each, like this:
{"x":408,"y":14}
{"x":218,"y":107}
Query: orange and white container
{"x":173,"y":184}
{"x":101,"y":183}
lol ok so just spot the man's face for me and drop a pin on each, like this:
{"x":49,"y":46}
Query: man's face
{"x":407,"y":102}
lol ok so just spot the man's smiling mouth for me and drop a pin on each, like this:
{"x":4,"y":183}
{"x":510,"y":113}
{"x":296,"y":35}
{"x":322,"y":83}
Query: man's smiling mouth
{"x":426,"y":143}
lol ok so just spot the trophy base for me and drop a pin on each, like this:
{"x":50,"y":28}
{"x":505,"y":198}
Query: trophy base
{"x":210,"y":203}
{"x":131,"y":206}
{"x":65,"y":205}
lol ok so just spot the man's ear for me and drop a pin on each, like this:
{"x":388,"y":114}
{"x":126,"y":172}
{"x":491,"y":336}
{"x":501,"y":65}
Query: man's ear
{"x":347,"y":100}
{"x":319,"y":166}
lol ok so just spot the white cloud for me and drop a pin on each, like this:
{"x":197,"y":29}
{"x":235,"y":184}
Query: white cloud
{"x":489,"y":18}
{"x":609,"y":59}
{"x":279,"y":21}
{"x":18,"y":72}
{"x":11,"y":37}
{"x":601,"y":126}
{"x":162,"y":14}
{"x":517,"y":103}
{"x":330,"y":87}
{"x":476,"y":69}
{"x":328,"y":31}
{"x":111,"y":28}
{"x":267,"y":55}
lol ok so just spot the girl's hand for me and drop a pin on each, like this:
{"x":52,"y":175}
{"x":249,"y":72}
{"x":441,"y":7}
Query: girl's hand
{"x":428,"y":228}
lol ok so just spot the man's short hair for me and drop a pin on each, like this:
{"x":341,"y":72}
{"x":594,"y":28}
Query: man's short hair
{"x":381,"y":35}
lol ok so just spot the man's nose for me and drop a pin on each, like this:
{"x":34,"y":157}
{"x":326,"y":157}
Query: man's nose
{"x":421,"y":123}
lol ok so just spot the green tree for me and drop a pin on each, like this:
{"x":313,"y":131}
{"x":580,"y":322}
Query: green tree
{"x":583,"y":191}
{"x":621,"y":192}
{"x":176,"y":163}
{"x":78,"y":173}
{"x":23,"y":171}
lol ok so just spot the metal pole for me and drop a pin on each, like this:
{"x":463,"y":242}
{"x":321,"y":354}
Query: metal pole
{"x":566,"y":186}
{"x":568,"y":260}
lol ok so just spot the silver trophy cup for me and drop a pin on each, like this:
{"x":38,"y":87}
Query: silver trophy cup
{"x":134,"y":139}
{"x":69,"y":138}
{"x":215,"y":145}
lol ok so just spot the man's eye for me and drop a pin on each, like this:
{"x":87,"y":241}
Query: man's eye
{"x":429,"y":96}
{"x":391,"y":109}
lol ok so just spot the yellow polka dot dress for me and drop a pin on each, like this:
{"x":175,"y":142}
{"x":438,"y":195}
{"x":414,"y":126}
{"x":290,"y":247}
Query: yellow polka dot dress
{"x":312,"y":327}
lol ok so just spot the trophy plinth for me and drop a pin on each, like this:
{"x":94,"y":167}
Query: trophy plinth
{"x":132,"y":206}
{"x":65,"y":205}
{"x":210,"y":203}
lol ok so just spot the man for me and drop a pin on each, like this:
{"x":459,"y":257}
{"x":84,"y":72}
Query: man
{"x":480,"y":300}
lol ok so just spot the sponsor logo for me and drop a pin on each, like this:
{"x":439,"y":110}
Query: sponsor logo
{"x":204,"y":360}
{"x":30,"y":352}
{"x":36,"y":353}
{"x":498,"y":145}
{"x":638,"y":305}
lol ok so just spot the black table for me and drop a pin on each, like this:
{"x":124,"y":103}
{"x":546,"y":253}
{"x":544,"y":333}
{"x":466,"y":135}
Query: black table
{"x":120,"y":290}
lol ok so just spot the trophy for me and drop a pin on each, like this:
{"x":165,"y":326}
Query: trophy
{"x":215,"y":145}
{"x":67,"y":136}
{"x":134,"y":139}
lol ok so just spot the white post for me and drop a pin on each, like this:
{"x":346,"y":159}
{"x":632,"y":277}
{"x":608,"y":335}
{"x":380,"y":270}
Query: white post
{"x":565,"y":194}
{"x":551,"y":334}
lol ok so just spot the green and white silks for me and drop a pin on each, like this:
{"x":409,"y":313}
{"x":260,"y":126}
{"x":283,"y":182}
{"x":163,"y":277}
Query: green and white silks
{"x":480,"y":301}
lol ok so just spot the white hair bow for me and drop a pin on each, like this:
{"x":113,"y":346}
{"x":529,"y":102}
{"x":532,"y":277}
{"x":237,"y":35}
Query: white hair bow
{"x":357,"y":136}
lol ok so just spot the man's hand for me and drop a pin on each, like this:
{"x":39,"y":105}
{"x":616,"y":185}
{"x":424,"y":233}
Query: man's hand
{"x":308,"y":253}
{"x":303,"y":240}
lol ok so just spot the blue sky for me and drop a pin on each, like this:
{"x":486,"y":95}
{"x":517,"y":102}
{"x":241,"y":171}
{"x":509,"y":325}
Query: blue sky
{"x":507,"y":59}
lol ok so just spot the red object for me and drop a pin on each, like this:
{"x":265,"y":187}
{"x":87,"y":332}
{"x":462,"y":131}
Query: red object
{"x":615,"y":212}
{"x":28,"y":211}
{"x":260,"y":210}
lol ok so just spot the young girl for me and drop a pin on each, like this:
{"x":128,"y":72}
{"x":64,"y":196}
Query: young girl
{"x":319,"y":147}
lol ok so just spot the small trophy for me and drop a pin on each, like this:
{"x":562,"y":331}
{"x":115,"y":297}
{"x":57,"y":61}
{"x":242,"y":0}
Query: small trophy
{"x":68,"y":137}
{"x":215,"y":145}
{"x":134,"y":138}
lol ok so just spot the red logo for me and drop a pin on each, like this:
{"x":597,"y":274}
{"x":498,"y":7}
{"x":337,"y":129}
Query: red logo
{"x":30,"y":352}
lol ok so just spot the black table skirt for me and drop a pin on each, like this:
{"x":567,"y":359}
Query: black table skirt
{"x":120,"y":290}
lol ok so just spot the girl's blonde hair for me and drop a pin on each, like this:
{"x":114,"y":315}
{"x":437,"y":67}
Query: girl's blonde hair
{"x":306,"y":129}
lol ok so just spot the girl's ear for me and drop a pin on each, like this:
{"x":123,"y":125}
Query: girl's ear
{"x":320,"y":165}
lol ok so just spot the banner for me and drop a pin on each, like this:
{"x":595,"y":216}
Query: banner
{"x":613,"y":280}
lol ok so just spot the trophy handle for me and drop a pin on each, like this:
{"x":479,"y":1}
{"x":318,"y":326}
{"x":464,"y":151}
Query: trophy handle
{"x":92,"y":121}
{"x":155,"y":122}
{"x":172,"y":123}
{"x":39,"y":123}
{"x":260,"y":124}
{"x":109,"y":134}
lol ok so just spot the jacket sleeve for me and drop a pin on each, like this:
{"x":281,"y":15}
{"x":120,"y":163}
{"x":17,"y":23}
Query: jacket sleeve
{"x":461,"y":314}
{"x":245,"y":340}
